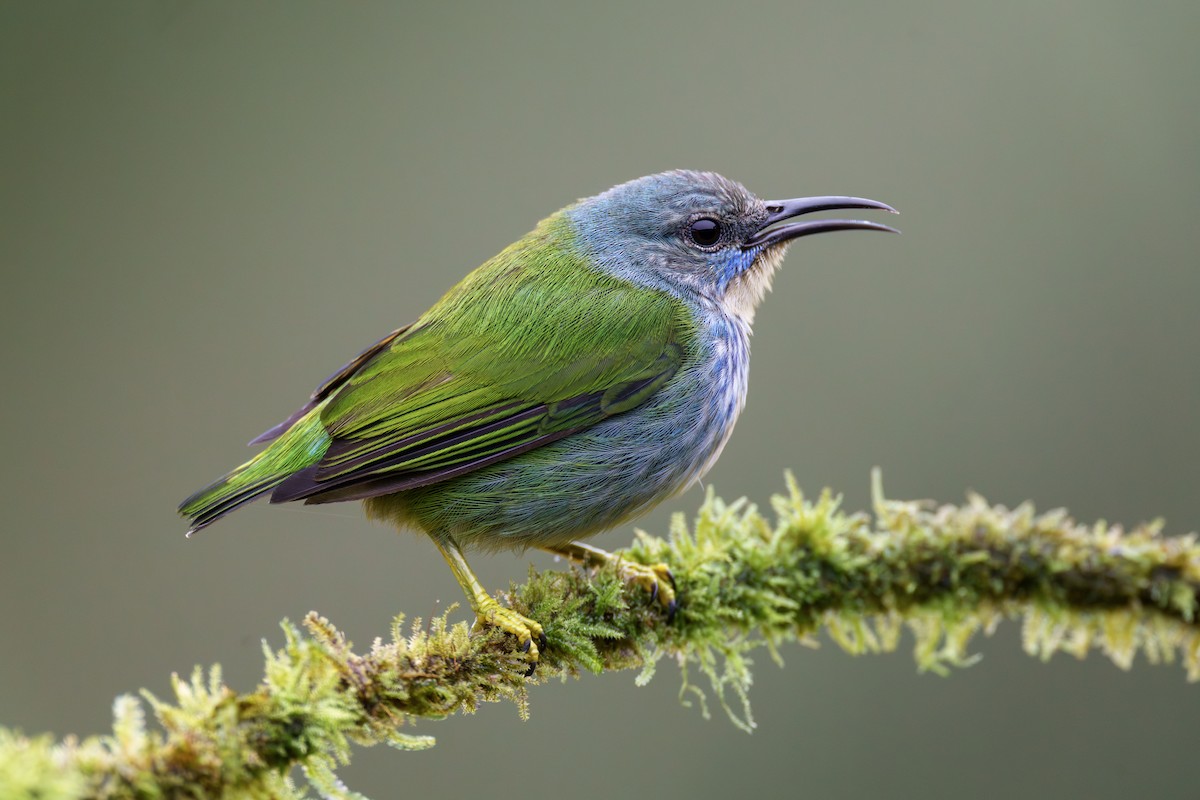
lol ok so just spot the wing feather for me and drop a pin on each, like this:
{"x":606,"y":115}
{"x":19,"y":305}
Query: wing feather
{"x":511,"y":359}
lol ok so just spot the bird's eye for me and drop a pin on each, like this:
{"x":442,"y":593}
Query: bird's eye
{"x":705,"y":231}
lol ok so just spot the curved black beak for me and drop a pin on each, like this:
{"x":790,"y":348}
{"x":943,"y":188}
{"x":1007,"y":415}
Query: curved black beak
{"x":780,"y":210}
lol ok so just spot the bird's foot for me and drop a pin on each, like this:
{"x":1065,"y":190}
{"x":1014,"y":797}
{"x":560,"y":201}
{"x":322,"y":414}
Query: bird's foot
{"x":529,"y":633}
{"x":655,"y":578}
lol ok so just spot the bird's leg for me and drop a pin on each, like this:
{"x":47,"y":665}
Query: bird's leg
{"x":488,"y":610}
{"x":656,"y":578}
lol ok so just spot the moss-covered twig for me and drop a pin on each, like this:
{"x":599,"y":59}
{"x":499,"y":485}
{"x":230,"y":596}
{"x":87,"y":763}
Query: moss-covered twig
{"x":944,"y":573}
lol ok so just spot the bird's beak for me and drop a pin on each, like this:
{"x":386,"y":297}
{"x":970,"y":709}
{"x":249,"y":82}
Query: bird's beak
{"x":780,"y":210}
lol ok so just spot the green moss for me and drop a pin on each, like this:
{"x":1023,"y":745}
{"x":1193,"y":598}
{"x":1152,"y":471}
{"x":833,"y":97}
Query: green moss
{"x":743,"y":582}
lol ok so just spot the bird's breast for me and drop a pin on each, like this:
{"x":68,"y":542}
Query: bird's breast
{"x":719,"y":385}
{"x":688,"y":423}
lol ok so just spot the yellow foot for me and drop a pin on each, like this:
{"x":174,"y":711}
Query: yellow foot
{"x":655,"y":578}
{"x":528,"y":632}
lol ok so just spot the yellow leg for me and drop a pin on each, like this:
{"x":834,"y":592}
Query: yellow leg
{"x":488,"y":610}
{"x":656,"y":578}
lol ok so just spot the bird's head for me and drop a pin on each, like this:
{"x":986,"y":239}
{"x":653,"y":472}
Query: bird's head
{"x":701,"y":235}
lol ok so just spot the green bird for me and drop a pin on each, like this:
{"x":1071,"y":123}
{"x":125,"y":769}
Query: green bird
{"x":584,"y":374}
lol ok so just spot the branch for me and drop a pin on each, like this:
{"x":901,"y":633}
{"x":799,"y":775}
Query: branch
{"x":944,"y":573}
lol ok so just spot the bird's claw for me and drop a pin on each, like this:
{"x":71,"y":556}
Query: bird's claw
{"x":531,"y":638}
{"x":656,"y":578}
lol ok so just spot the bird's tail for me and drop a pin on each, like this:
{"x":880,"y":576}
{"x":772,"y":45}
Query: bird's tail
{"x":300,"y":446}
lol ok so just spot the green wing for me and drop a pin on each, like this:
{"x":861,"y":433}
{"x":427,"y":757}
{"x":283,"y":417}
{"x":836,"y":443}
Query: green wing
{"x":510,"y":360}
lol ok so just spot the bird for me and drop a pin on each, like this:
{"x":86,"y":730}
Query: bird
{"x":586,"y":373}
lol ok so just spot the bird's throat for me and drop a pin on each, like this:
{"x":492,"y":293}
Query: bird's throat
{"x":747,"y":289}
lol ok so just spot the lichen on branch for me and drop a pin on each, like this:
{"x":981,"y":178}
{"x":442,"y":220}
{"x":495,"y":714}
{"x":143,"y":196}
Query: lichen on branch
{"x":944,"y":573}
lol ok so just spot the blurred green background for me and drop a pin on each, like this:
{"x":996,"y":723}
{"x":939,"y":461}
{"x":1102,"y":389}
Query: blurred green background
{"x":207,"y":207}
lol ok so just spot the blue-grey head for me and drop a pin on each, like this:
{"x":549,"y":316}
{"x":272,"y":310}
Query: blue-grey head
{"x":702,"y":236}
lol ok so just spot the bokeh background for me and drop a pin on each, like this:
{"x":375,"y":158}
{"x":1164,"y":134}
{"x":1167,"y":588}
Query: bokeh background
{"x":207,"y":207}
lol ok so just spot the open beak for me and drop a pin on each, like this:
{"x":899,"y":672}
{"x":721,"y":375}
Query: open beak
{"x":781,"y":210}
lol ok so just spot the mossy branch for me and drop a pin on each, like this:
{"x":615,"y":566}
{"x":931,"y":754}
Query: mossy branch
{"x":945,"y":573}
